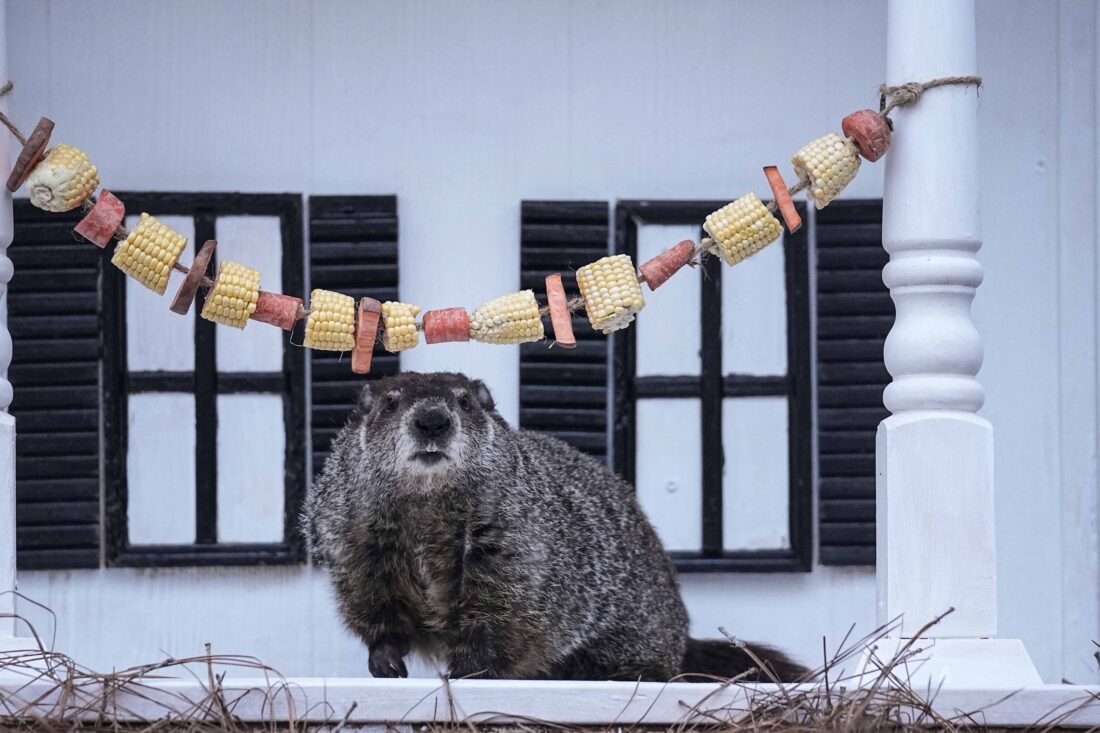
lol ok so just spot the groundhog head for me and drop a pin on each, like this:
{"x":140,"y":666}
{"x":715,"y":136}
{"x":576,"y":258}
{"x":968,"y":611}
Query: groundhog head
{"x":431,"y":426}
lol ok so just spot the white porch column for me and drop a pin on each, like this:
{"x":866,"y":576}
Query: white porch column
{"x":934,"y":453}
{"x":7,"y":422}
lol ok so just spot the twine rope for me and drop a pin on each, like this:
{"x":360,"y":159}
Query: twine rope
{"x":12,"y":128}
{"x":906,"y":94}
{"x":890,"y":97}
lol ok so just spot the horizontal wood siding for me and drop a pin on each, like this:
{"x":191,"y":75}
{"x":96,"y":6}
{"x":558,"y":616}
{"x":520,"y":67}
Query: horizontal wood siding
{"x":854,"y":314}
{"x":563,"y":392}
{"x":353,"y":250}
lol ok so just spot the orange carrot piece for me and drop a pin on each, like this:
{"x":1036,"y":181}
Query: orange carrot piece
{"x":277,"y":309}
{"x":446,"y":325}
{"x":783,"y":199}
{"x":660,"y":268}
{"x":366,"y":332}
{"x":100,"y":224}
{"x":560,"y":317}
{"x":185,"y":296}
{"x":870,"y":131}
{"x":30,"y":154}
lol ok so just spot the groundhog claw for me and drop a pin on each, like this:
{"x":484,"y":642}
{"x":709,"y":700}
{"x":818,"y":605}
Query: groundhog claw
{"x":386,"y":660}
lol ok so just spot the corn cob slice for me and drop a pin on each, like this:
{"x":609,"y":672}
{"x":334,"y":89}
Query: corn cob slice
{"x":63,"y":179}
{"x":742,"y":228}
{"x":331,"y":323}
{"x":399,"y":326}
{"x":611,"y":291}
{"x":830,"y":162}
{"x":233,"y":298}
{"x":509,"y":319}
{"x":149,"y":253}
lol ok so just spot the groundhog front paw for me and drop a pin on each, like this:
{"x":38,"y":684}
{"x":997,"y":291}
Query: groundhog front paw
{"x":387,"y":660}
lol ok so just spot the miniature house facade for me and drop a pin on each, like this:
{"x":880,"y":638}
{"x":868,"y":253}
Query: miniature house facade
{"x":449,"y":154}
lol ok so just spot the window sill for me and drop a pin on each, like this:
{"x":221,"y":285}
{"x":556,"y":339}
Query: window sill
{"x":415,"y":701}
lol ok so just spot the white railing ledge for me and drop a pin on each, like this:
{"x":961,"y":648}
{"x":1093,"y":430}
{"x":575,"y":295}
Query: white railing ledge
{"x":418,"y":701}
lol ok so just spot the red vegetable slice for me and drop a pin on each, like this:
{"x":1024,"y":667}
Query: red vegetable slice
{"x":366,"y":332}
{"x":660,"y":268}
{"x":446,"y":324}
{"x":783,"y":199}
{"x":185,"y":296}
{"x":560,"y":317}
{"x":101,"y":222}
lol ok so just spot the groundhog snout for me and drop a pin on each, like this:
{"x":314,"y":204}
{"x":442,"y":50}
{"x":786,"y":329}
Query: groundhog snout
{"x":432,"y":422}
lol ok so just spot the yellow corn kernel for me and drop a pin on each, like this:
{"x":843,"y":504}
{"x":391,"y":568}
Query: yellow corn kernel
{"x":509,"y":319}
{"x":742,"y":228}
{"x":148,"y":253}
{"x":233,"y":298}
{"x":331,"y":323}
{"x":62,"y":180}
{"x":612,"y":294}
{"x":399,"y":326}
{"x":830,"y":162}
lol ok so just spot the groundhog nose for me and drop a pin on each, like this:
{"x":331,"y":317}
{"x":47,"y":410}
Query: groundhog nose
{"x":432,"y":422}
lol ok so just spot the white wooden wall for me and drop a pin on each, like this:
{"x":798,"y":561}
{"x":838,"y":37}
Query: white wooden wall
{"x":464,"y":109}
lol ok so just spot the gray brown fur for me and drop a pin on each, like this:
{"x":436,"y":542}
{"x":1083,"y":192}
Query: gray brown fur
{"x":512,"y":556}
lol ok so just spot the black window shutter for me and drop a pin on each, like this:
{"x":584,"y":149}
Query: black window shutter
{"x":854,"y":314}
{"x":564,"y":392}
{"x":54,"y":319}
{"x":353,"y":250}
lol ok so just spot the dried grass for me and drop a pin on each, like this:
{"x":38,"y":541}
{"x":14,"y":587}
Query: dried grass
{"x":52,"y":693}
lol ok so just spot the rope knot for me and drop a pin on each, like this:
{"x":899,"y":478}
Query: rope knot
{"x":905,"y":94}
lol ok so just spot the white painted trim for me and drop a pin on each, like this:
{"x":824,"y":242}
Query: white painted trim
{"x":426,"y":700}
{"x":1078,"y":319}
{"x":7,"y":422}
{"x":934,"y":455}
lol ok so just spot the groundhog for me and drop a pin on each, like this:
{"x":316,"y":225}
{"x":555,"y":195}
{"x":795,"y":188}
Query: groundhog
{"x":502,"y":553}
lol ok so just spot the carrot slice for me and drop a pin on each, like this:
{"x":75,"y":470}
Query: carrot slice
{"x":870,"y":131}
{"x":366,"y":332}
{"x":660,"y":268}
{"x":100,"y":224}
{"x":185,"y":296}
{"x":560,"y":317}
{"x":446,"y":324}
{"x":277,"y":309}
{"x":30,"y":154}
{"x":783,"y":199}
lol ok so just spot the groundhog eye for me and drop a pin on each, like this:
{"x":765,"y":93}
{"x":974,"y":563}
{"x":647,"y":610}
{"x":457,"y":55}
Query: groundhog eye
{"x":464,"y":402}
{"x":390,"y":402}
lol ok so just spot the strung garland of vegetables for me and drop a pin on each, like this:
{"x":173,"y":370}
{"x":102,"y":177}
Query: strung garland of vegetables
{"x":63,"y":178}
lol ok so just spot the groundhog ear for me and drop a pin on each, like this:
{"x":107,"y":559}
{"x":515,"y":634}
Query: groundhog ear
{"x":366,"y":399}
{"x":481,"y":392}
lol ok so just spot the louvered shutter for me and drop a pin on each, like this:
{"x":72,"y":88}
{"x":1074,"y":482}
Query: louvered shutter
{"x":854,"y":314}
{"x":54,"y":319}
{"x":564,"y":392}
{"x":353,"y":250}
